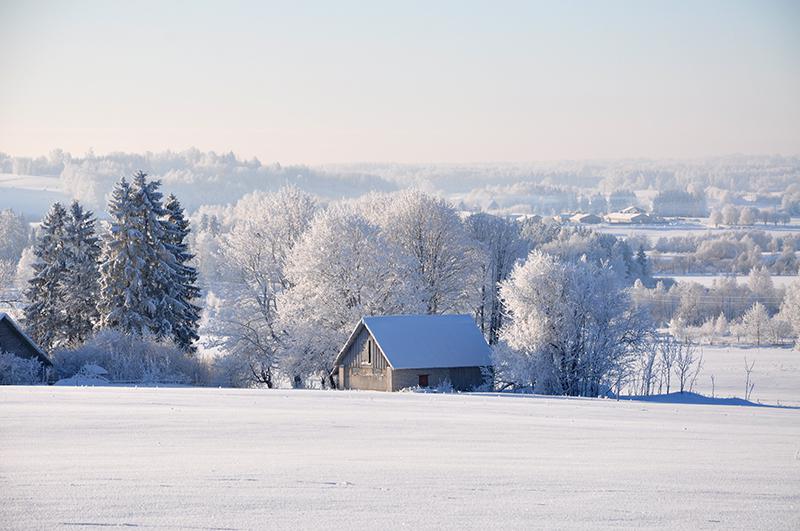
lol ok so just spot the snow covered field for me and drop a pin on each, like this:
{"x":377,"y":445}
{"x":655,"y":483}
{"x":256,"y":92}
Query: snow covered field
{"x":779,"y":281}
{"x":653,"y":232}
{"x":247,"y":459}
{"x":776,"y":373}
{"x":29,"y":194}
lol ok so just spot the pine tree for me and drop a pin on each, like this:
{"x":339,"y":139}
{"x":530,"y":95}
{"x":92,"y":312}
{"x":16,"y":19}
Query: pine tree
{"x":184,"y":329}
{"x":141,"y":276}
{"x":124,"y":302}
{"x":44,"y":315}
{"x":81,"y":281}
{"x":641,"y":259}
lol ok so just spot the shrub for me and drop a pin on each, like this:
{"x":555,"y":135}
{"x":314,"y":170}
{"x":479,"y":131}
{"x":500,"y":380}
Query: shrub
{"x":20,"y":371}
{"x":132,"y":358}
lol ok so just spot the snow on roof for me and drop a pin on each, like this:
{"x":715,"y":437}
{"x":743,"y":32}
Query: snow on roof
{"x":429,"y":341}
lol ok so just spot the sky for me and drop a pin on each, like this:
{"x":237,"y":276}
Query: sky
{"x":343,"y":81}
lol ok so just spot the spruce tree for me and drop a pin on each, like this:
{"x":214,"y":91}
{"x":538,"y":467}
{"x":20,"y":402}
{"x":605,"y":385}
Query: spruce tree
{"x":141,"y":275}
{"x":184,"y":329}
{"x":44,"y":315}
{"x":641,"y":259}
{"x":124,"y":302}
{"x":82,"y":276}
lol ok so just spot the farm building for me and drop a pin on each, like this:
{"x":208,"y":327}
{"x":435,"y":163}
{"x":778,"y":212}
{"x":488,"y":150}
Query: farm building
{"x":630,"y":215}
{"x":14,"y":341}
{"x":389,"y":353}
{"x":586,"y":218}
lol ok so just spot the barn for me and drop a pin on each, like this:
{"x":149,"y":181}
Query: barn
{"x":14,"y":341}
{"x":393,"y":352}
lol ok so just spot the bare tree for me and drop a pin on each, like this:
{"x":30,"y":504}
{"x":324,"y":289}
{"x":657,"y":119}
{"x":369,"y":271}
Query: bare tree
{"x":667,"y":353}
{"x":748,"y":384}
{"x":687,"y":364}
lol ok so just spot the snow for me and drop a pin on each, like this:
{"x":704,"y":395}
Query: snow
{"x":30,"y":195}
{"x":779,"y":281}
{"x":435,"y":341}
{"x":776,"y":373}
{"x":246,"y":459}
{"x":691,"y":228}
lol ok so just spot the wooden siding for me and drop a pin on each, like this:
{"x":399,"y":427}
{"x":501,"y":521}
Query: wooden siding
{"x":461,"y":378}
{"x":358,"y":371}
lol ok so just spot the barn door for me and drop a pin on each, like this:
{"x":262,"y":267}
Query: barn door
{"x":423,"y":380}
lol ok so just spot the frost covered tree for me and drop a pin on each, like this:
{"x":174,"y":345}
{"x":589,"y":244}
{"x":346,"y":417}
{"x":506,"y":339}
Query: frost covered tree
{"x":186,"y":322}
{"x":570,"y":328}
{"x":81,"y":282}
{"x":15,"y":235}
{"x":760,"y":283}
{"x":502,"y":247}
{"x":790,"y":309}
{"x":445,"y":260}
{"x":341,"y":270}
{"x":755,"y":322}
{"x":256,"y":252}
{"x":44,"y":314}
{"x":140,"y":285}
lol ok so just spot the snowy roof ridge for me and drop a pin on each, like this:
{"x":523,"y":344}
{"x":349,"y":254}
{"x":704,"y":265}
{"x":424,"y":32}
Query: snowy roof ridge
{"x":425,"y":341}
{"x":4,"y":315}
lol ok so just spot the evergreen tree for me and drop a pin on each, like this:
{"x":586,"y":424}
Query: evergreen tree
{"x":641,"y":259}
{"x":44,"y":315}
{"x":81,"y":281}
{"x":122,"y":267}
{"x":140,"y":274}
{"x":184,"y":329}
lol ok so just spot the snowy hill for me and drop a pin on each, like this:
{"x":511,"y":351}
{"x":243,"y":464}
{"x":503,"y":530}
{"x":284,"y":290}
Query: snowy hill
{"x":246,"y":459}
{"x":29,"y":194}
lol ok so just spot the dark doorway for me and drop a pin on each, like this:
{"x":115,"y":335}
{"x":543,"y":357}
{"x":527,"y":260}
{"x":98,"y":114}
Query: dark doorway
{"x":423,"y":380}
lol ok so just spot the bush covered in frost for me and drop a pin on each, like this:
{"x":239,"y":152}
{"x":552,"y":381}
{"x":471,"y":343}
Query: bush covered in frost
{"x":133,"y":359}
{"x":20,"y":371}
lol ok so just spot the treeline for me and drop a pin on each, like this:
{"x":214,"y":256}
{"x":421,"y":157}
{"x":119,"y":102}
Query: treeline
{"x":136,"y":279}
{"x":728,"y":253}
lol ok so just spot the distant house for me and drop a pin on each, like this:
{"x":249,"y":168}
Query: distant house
{"x":14,"y":341}
{"x":630,"y":215}
{"x":394,"y":352}
{"x":586,"y":218}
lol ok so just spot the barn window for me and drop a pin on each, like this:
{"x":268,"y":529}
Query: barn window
{"x":369,"y":352}
{"x":423,"y":380}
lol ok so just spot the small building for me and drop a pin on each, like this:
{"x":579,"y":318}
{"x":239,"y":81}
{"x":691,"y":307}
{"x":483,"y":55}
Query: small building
{"x":589,"y":219}
{"x":630,"y":215}
{"x":393,"y":352}
{"x":14,"y":341}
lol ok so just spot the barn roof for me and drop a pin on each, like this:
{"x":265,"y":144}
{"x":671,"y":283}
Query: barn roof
{"x":426,"y":341}
{"x":23,"y":337}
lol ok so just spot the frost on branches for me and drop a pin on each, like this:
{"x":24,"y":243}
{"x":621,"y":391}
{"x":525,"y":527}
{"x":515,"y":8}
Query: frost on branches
{"x":342,"y":269}
{"x":256,"y":252}
{"x":571,"y":329}
{"x":145,"y":286}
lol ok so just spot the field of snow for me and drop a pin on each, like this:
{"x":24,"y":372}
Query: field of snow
{"x":708,"y":280}
{"x":653,"y":232}
{"x":254,"y":459}
{"x":776,"y":373}
{"x":29,"y":194}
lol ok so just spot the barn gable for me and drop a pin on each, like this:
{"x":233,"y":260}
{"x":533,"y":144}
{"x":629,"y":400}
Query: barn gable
{"x":14,"y":341}
{"x":423,"y":341}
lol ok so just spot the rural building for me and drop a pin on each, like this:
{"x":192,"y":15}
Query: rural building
{"x":586,"y":218}
{"x":630,"y":215}
{"x":393,"y":352}
{"x":14,"y":341}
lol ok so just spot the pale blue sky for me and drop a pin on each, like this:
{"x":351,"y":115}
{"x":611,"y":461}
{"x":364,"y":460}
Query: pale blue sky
{"x":341,"y":81}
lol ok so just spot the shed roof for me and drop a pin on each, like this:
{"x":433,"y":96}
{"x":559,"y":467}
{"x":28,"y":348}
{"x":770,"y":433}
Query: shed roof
{"x":426,"y":341}
{"x":22,"y":337}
